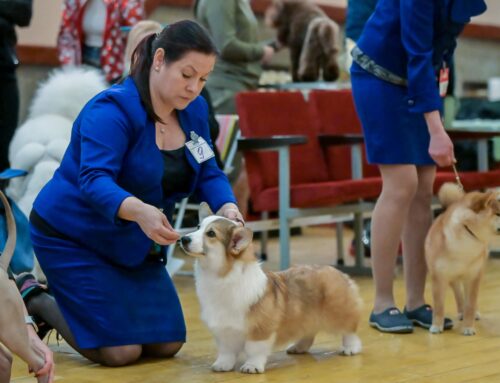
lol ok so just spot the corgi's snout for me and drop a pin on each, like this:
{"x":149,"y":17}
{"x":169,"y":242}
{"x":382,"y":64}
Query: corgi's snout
{"x":185,"y":240}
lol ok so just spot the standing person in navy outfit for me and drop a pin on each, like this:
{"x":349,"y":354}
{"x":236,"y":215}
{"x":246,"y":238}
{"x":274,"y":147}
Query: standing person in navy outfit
{"x":99,"y":226}
{"x":398,"y":78}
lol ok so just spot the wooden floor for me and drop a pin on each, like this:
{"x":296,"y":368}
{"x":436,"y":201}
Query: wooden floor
{"x":417,"y":357}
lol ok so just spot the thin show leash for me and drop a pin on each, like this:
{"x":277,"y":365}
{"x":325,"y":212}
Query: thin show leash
{"x":457,"y":178}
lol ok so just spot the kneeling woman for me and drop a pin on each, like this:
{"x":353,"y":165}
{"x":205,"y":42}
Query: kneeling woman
{"x":135,"y":150}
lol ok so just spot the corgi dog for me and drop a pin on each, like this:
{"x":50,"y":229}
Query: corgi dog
{"x":249,"y":310}
{"x":456,"y":250}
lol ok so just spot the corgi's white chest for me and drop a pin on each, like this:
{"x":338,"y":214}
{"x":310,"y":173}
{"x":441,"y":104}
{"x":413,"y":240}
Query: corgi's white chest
{"x":225,"y":301}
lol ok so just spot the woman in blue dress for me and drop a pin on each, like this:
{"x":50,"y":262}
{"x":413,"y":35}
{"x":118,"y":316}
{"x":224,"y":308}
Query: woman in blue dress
{"x":398,"y":77}
{"x":135,"y":150}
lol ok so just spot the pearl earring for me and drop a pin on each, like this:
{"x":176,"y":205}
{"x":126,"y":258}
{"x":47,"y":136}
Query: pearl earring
{"x":157,"y":68}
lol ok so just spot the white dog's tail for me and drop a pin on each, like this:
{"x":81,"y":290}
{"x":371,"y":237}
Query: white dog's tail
{"x":450,"y":193}
{"x":10,"y":245}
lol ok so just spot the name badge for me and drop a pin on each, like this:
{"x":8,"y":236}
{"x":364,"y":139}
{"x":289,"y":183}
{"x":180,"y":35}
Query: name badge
{"x":199,"y":148}
{"x":444,"y":79}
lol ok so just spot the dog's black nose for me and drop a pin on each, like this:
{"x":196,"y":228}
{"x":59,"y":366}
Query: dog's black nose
{"x":185,"y":240}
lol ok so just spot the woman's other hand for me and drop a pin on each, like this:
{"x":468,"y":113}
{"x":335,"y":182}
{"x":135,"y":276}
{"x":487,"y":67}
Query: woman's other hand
{"x":440,"y":146}
{"x":231,"y":211}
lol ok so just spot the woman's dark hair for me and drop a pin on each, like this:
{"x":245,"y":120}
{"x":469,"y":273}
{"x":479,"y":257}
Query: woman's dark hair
{"x":177,"y":40}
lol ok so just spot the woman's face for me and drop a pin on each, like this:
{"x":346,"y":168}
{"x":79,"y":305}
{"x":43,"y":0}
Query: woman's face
{"x":176,"y":84}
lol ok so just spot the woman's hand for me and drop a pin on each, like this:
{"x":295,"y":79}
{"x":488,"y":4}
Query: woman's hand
{"x":45,"y":373}
{"x":231,"y":211}
{"x":441,"y":146}
{"x":156,"y":226}
{"x":151,"y":220}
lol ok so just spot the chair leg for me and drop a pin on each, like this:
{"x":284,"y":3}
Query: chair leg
{"x":358,"y":240}
{"x":339,"y":228}
{"x":264,"y":236}
{"x":284,"y":242}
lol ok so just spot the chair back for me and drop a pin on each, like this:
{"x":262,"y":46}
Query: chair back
{"x":264,"y":114}
{"x":337,"y":115}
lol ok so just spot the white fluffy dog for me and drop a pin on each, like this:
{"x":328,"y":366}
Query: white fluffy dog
{"x":66,"y":91}
{"x":39,"y":143}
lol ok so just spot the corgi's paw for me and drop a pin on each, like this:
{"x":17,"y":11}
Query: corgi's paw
{"x":468,"y":331}
{"x":294,"y":349}
{"x":478,"y":315}
{"x":302,"y":346}
{"x":351,"y":345}
{"x":252,"y":368}
{"x":223,"y":364}
{"x":435,"y":329}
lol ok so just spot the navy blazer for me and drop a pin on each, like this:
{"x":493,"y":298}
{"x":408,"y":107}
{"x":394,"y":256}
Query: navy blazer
{"x":412,"y":38}
{"x":113,"y":155}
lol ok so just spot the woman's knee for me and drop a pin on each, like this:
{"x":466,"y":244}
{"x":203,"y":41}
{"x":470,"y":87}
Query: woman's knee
{"x":400,"y":183}
{"x":120,"y":356}
{"x":5,"y":365}
{"x":163,"y":350}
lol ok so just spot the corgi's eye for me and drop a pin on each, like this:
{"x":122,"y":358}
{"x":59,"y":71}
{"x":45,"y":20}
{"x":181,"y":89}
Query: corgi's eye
{"x":211,"y":234}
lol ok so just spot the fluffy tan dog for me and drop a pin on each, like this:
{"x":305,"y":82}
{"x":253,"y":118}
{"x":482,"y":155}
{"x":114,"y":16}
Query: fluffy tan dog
{"x":313,"y":38}
{"x":13,"y":332}
{"x":456,"y":249}
{"x":249,"y":310}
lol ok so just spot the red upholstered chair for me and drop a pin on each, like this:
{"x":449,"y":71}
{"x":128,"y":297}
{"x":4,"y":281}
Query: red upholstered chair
{"x":296,"y":181}
{"x":337,"y":114}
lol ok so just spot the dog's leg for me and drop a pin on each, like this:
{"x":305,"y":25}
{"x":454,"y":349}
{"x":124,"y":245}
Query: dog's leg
{"x":458,"y":292}
{"x":229,"y":345}
{"x":351,"y":344}
{"x":438,"y":296}
{"x":257,"y":352}
{"x":471,"y":294}
{"x":302,"y":346}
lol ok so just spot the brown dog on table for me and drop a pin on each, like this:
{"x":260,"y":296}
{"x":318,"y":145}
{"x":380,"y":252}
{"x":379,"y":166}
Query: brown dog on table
{"x":13,"y":331}
{"x":313,"y":38}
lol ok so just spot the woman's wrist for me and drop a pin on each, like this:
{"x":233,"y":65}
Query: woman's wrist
{"x":434,"y":123}
{"x":130,"y":209}
{"x":30,"y":322}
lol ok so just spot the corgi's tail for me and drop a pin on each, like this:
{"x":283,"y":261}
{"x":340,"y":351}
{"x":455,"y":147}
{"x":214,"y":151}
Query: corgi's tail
{"x":449,"y":193}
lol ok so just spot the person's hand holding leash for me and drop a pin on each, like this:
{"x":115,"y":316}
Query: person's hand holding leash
{"x":151,"y":220}
{"x":440,"y":146}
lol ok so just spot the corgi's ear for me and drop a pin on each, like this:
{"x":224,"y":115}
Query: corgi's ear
{"x":204,"y":211}
{"x":240,"y":239}
{"x":484,"y":201}
{"x":492,"y":202}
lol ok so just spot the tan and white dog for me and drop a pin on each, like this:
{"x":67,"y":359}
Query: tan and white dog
{"x":456,"y":250}
{"x":249,"y":310}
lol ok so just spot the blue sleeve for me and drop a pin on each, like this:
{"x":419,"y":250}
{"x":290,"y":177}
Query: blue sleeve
{"x":105,"y":135}
{"x":417,"y":33}
{"x":213,"y":186}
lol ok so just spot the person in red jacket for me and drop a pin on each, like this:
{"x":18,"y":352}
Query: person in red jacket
{"x":90,"y":33}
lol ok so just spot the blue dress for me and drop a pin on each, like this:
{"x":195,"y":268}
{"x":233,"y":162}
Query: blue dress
{"x":411,"y":39}
{"x":109,"y":287}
